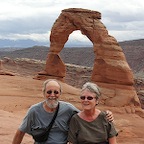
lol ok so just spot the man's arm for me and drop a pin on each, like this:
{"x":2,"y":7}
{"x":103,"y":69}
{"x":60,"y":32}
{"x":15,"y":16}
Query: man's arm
{"x":18,"y":137}
{"x":109,"y":116}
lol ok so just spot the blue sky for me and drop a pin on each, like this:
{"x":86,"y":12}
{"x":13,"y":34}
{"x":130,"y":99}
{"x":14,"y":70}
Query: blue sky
{"x":33,"y":19}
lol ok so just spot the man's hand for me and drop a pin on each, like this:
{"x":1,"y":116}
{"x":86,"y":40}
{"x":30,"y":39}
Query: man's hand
{"x":109,"y":116}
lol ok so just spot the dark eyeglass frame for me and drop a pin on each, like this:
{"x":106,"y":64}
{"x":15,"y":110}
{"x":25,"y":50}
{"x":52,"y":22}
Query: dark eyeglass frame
{"x":50,"y":92}
{"x":87,"y":97}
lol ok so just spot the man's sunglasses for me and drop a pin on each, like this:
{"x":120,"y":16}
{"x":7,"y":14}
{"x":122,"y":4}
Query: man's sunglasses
{"x":50,"y":92}
{"x":88,"y":97}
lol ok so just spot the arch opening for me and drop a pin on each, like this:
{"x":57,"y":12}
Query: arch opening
{"x":110,"y":64}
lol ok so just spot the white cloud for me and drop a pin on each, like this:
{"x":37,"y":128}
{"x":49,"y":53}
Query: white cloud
{"x":78,"y":35}
{"x":32,"y":19}
{"x":43,"y":37}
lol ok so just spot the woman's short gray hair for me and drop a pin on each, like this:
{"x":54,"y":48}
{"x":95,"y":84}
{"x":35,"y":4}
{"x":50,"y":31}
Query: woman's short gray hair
{"x":92,"y":87}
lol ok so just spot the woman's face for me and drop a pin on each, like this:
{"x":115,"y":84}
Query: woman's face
{"x":88,"y":100}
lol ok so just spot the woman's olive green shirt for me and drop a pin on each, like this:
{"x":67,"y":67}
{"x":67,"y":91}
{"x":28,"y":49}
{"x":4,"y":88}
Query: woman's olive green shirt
{"x":83,"y":132}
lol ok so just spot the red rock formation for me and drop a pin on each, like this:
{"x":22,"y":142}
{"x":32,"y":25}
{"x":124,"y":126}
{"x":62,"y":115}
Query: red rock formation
{"x":3,"y":71}
{"x":1,"y":66}
{"x":111,"y":70}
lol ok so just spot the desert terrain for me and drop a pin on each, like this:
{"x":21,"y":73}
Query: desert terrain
{"x":19,"y":90}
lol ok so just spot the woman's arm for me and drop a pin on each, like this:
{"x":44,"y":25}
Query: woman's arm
{"x":112,"y":140}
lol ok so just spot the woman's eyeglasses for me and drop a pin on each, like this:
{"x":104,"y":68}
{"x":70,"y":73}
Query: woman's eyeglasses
{"x":88,"y":97}
{"x":50,"y":92}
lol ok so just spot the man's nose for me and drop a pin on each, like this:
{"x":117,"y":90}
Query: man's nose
{"x":52,"y":94}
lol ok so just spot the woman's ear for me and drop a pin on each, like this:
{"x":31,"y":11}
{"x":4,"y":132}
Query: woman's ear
{"x":97,"y":102}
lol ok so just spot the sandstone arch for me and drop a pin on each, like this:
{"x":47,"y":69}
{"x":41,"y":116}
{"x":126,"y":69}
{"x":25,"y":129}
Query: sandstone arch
{"x":110,"y":56}
{"x":111,"y":70}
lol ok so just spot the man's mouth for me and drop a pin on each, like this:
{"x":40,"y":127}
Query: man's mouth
{"x":52,"y":98}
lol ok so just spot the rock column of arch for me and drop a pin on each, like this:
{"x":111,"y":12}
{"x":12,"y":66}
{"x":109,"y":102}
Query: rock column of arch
{"x":111,"y":70}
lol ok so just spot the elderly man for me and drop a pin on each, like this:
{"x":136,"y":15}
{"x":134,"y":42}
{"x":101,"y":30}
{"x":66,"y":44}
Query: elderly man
{"x":40,"y":115}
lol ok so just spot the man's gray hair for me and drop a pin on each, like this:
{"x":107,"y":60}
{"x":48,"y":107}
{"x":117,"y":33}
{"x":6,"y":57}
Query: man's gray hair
{"x":92,"y":87}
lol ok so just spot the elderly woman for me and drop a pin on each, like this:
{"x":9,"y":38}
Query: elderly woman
{"x":90,"y":125}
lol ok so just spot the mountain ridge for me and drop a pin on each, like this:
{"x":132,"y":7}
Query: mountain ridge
{"x":83,"y":56}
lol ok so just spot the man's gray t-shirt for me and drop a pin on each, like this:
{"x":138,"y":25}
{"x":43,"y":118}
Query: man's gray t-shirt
{"x":38,"y":117}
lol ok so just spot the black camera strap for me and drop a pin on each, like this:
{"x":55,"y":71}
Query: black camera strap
{"x":42,"y":134}
{"x":53,"y":119}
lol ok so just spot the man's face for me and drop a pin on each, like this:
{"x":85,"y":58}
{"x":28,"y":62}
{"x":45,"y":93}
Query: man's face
{"x":52,"y":94}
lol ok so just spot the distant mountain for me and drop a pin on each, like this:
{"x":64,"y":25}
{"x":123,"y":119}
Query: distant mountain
{"x":84,"y":56}
{"x":5,"y":43}
{"x":134,"y":51}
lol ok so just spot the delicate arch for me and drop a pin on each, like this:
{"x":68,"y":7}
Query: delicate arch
{"x":110,"y":64}
{"x":111,"y":70}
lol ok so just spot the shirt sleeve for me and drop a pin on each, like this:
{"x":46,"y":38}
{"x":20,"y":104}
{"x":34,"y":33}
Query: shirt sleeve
{"x":111,"y":130}
{"x":73,"y":130}
{"x":26,"y":123}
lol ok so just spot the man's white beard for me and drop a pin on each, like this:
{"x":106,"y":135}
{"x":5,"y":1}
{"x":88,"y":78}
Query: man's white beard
{"x":52,"y":103}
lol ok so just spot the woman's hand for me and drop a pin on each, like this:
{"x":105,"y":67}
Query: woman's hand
{"x":112,"y":140}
